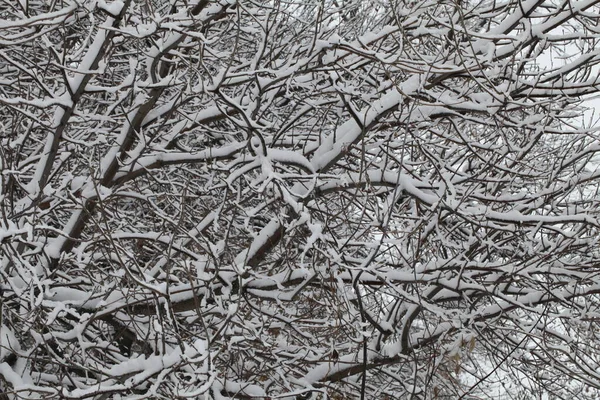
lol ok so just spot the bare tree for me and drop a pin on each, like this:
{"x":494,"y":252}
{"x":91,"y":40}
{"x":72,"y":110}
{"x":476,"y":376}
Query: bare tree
{"x":328,"y":199}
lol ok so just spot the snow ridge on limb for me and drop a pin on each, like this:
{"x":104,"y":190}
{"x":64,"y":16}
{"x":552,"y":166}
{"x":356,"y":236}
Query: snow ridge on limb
{"x":337,"y":144}
{"x":75,"y":88}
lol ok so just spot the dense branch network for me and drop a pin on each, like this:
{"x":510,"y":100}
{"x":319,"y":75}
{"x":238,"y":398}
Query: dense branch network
{"x":306,"y":199}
